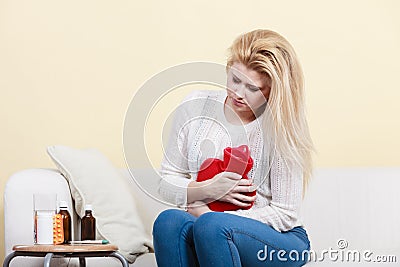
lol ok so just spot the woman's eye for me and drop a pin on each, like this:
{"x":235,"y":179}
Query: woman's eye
{"x":253,"y":88}
{"x":235,"y":80}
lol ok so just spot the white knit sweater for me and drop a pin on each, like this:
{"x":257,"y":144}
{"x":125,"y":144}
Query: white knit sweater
{"x":200,"y":131}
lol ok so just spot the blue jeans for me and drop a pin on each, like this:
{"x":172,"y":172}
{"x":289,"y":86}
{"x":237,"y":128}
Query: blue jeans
{"x":222,"y":239}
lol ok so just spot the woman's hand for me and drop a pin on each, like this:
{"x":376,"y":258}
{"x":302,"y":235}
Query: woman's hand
{"x":229,"y":187}
{"x":198,"y":208}
{"x":225,"y":186}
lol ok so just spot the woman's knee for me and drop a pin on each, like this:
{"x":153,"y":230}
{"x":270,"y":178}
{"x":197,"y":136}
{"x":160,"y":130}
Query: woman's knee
{"x":211,"y":224}
{"x":170,"y":220}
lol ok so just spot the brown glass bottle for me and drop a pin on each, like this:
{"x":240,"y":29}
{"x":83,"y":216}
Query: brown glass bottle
{"x":88,"y":225}
{"x":66,"y":217}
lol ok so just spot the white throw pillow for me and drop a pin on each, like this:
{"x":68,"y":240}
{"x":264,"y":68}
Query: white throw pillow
{"x":94,"y":180}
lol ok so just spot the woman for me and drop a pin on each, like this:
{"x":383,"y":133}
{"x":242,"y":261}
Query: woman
{"x":263,"y":110}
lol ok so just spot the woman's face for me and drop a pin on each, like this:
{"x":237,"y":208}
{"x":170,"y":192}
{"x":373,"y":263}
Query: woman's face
{"x":247,"y":89}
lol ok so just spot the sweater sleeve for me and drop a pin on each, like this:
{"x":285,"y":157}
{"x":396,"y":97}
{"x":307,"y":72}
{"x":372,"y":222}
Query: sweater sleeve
{"x":286,"y":188}
{"x":175,"y":174}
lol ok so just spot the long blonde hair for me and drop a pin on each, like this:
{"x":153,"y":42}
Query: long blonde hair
{"x":267,"y":52}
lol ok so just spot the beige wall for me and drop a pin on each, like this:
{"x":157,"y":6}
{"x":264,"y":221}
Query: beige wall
{"x":68,"y":70}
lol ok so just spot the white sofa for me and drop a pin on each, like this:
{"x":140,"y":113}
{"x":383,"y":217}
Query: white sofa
{"x":359,"y":206}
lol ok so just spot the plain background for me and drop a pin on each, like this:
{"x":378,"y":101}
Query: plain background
{"x":68,"y":70}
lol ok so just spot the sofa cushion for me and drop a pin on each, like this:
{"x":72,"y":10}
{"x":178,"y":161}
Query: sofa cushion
{"x":94,"y":180}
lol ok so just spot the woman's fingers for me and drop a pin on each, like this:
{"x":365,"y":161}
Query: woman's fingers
{"x":226,"y":183}
{"x":239,"y":203}
{"x":244,"y":189}
{"x":245,"y":182}
{"x":244,"y":198}
{"x":238,"y":199}
{"x":221,"y":184}
{"x":231,"y":175}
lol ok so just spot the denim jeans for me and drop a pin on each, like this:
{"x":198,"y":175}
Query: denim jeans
{"x":222,"y":239}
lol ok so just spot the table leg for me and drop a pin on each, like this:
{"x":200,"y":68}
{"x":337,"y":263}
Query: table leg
{"x":47,"y":259}
{"x":9,"y":257}
{"x":82,"y":262}
{"x":121,"y":258}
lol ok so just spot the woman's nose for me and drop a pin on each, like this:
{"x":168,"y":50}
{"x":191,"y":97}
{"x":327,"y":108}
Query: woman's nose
{"x":240,"y":91}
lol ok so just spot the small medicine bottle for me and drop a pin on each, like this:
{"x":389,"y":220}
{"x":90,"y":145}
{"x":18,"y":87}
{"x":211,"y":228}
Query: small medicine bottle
{"x":88,"y":225}
{"x":66,"y":217}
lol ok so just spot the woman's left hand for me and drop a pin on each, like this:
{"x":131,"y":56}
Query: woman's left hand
{"x":198,"y":208}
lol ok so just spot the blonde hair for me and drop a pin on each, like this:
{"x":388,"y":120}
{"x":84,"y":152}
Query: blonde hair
{"x":269,"y":53}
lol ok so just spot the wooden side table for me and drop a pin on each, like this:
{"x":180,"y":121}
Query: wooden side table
{"x":67,"y":251}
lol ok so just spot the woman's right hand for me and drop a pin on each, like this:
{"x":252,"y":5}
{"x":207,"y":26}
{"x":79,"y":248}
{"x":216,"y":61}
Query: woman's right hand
{"x":229,"y":187}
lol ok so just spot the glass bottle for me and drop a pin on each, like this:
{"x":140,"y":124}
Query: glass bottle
{"x":88,"y":225}
{"x":66,"y":217}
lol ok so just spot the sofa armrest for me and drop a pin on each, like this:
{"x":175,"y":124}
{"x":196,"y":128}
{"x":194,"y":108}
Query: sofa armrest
{"x":18,"y":203}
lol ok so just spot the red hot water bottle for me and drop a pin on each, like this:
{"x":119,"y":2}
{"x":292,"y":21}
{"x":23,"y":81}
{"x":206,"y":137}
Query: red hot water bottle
{"x":236,"y":159}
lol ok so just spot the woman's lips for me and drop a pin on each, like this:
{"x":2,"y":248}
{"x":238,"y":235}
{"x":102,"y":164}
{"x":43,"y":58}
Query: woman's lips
{"x":238,"y":103}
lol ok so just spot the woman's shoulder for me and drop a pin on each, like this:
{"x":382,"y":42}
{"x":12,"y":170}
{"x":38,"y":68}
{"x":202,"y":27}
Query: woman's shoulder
{"x":200,"y":101}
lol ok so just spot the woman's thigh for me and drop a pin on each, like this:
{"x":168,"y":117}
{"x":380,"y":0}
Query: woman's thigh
{"x":256,"y":243}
